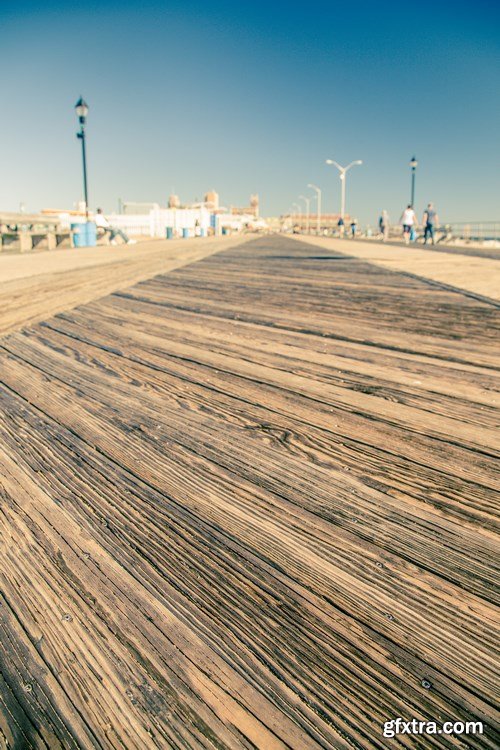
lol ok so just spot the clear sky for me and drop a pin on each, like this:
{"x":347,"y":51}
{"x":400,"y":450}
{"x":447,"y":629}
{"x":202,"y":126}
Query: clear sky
{"x":252,"y":97}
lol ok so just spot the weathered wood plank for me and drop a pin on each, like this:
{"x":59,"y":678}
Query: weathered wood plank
{"x":250,"y":503}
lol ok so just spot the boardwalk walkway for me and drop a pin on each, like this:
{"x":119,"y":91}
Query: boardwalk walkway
{"x":250,"y":504}
{"x":469,"y":272}
{"x":34,"y":286}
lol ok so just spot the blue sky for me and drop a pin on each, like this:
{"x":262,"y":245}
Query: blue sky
{"x":253,"y":97}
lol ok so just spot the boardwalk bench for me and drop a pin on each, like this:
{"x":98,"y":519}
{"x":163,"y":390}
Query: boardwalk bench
{"x":103,"y":236}
{"x":25,"y":232}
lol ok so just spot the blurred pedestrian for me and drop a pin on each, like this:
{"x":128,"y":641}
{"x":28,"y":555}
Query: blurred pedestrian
{"x":383,"y":224}
{"x":354,"y":228}
{"x":103,"y":223}
{"x":341,"y":226}
{"x":409,"y":221}
{"x":430,"y":222}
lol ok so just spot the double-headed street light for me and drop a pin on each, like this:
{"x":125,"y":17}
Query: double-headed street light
{"x":318,"y":206}
{"x":81,"y":109}
{"x":413,"y":165}
{"x":307,"y":202}
{"x":343,"y":171}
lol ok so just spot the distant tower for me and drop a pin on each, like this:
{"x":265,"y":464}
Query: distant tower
{"x":212,"y":199}
{"x":173,"y":201}
{"x":254,"y":203}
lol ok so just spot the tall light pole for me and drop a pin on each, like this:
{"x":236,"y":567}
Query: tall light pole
{"x":298,"y":210}
{"x":307,"y":202}
{"x":413,"y":165}
{"x":343,"y":171}
{"x":318,"y":206}
{"x":81,"y":109}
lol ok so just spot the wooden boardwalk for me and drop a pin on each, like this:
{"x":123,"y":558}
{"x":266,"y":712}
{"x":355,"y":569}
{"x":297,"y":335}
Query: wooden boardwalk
{"x":35,"y":286}
{"x":250,"y":504}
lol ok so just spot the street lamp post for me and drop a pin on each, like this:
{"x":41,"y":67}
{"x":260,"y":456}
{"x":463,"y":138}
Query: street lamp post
{"x":307,"y":202}
{"x":81,"y":109}
{"x":343,"y":171}
{"x":298,"y":212}
{"x":318,"y":206}
{"x":413,"y":165}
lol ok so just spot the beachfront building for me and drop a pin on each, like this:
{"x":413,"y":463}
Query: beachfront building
{"x":174,"y":220}
{"x":212,"y":200}
{"x":251,"y":210}
{"x":174,"y":201}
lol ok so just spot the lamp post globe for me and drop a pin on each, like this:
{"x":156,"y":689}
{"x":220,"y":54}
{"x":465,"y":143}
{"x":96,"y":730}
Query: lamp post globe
{"x":81,"y":109}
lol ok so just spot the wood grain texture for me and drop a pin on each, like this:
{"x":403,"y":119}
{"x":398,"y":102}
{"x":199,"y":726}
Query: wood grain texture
{"x":251,"y":503}
{"x":37,"y":285}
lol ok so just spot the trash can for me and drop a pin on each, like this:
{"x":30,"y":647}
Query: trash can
{"x":185,"y":232}
{"x":170,"y":233}
{"x":84,"y":234}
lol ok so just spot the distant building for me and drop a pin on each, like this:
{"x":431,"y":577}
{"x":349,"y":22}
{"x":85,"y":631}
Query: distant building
{"x":212,"y":200}
{"x":174,"y":201}
{"x":254,"y":203}
{"x":251,"y":210}
{"x":131,"y":208}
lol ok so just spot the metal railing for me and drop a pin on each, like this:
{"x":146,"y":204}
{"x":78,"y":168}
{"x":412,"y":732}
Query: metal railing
{"x":480,"y":231}
{"x":475,"y":230}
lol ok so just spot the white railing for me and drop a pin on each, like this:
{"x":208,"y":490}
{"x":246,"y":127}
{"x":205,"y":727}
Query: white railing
{"x":481,"y":231}
{"x":475,"y":230}
{"x":134,"y":224}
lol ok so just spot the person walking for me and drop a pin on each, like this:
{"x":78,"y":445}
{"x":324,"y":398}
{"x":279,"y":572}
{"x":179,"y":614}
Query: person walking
{"x":354,"y":228}
{"x":430,"y":221}
{"x":383,"y":224}
{"x":341,"y":227}
{"x":409,"y":221}
{"x":103,"y":223}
